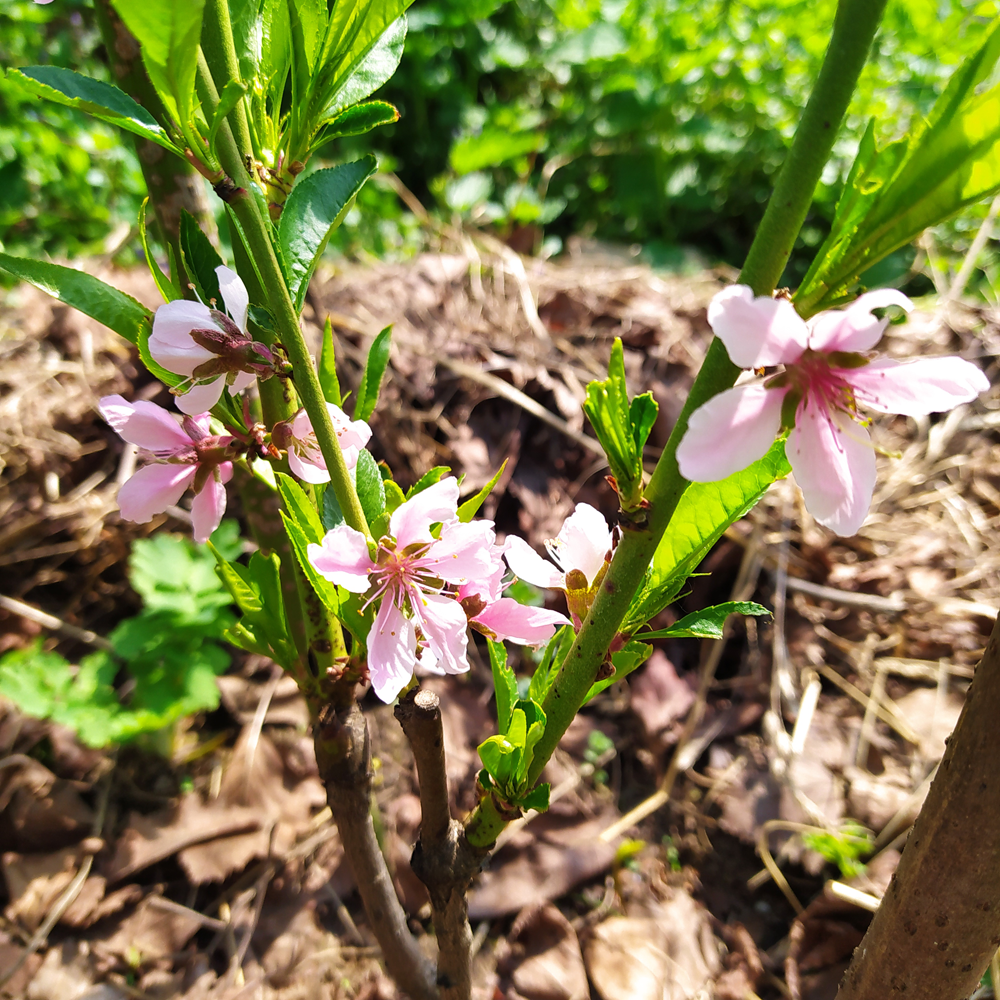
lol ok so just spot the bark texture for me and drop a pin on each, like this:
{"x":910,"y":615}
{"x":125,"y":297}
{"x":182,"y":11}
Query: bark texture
{"x":939,"y":923}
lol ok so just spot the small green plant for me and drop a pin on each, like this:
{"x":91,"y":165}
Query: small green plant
{"x":169,"y":651}
{"x":844,"y":848}
{"x":600,"y":749}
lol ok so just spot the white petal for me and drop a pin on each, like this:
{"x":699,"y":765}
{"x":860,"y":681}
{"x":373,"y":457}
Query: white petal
{"x":583,"y":541}
{"x":242,"y":381}
{"x":342,"y":558}
{"x":757,"y":332}
{"x":526,"y":563}
{"x":201,"y":398}
{"x":914,"y":388}
{"x":392,"y":649}
{"x":444,"y":625}
{"x":234,"y":294}
{"x":834,"y":467}
{"x":170,"y":342}
{"x":309,"y":472}
{"x":730,"y":431}
{"x":854,"y":328}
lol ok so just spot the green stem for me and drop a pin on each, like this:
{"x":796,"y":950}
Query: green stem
{"x":257,"y":232}
{"x":854,"y":28}
{"x":220,"y":53}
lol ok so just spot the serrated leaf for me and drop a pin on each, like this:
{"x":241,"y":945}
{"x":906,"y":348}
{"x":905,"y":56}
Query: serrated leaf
{"x":537,"y":798}
{"x":200,"y":260}
{"x":555,"y":652}
{"x":468,"y":510}
{"x":94,"y":298}
{"x":504,"y":684}
{"x":627,"y":659}
{"x":245,"y":17}
{"x":328,"y":380}
{"x":394,"y":496}
{"x":300,"y":508}
{"x":325,"y":590}
{"x":316,"y":206}
{"x":702,"y":515}
{"x":358,"y":120}
{"x":429,"y":478}
{"x":96,"y":98}
{"x":707,"y":623}
{"x":371,"y":380}
{"x":371,"y":490}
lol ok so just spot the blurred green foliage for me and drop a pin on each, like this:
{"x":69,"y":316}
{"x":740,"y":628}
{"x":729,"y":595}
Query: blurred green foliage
{"x":67,"y":182}
{"x":651,"y":122}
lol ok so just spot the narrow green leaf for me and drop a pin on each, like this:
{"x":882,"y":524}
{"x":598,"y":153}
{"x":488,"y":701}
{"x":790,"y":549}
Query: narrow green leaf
{"x":231,"y":95}
{"x":115,"y":309}
{"x":328,"y":379}
{"x":707,"y":623}
{"x":371,"y":380}
{"x":245,"y":16}
{"x":316,"y":206}
{"x":429,"y":478}
{"x":237,"y":581}
{"x":101,"y":100}
{"x":200,"y":259}
{"x":371,"y":490}
{"x":504,"y":684}
{"x":642,"y":415}
{"x":468,"y":510}
{"x":629,"y":658}
{"x":702,"y":515}
{"x":325,"y":590}
{"x":537,"y":798}
{"x":394,"y":496}
{"x":554,"y":654}
{"x":300,"y":508}
{"x":357,"y":120}
{"x":164,"y":285}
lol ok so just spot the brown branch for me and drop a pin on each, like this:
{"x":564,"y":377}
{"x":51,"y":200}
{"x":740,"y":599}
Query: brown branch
{"x":442,"y":859}
{"x":343,"y":754}
{"x":938,"y":924}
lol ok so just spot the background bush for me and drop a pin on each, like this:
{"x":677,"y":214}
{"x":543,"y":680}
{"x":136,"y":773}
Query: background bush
{"x":652,"y":122}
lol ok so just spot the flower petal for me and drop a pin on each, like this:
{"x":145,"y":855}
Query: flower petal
{"x":153,"y":489}
{"x":310,"y":472}
{"x":411,"y":521}
{"x":526,"y":563}
{"x":207,"y":508}
{"x":730,"y":431}
{"x":444,"y":625}
{"x":757,"y":332}
{"x":392,"y":650}
{"x":342,"y":558}
{"x":243,"y":380}
{"x":170,"y":342}
{"x":464,"y":552}
{"x":834,"y":467}
{"x":913,"y":388}
{"x":144,"y":424}
{"x":201,"y":398}
{"x":854,"y":328}
{"x":234,"y":294}
{"x":582,"y":543}
{"x":517,"y":622}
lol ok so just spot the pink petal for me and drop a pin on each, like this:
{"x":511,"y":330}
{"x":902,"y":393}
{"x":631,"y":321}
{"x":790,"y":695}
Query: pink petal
{"x":153,"y":489}
{"x":913,"y":388}
{"x":350,"y":433}
{"x":444,"y":625}
{"x":834,"y":467}
{"x":464,"y":552}
{"x":854,"y":328}
{"x":234,"y":294}
{"x":392,"y":649}
{"x":757,"y":332}
{"x":582,"y":543}
{"x":519,"y":623}
{"x":170,"y":341}
{"x":144,"y":424}
{"x":242,"y":381}
{"x":201,"y":398}
{"x":487,"y":588}
{"x":730,"y":431}
{"x":342,"y":558}
{"x":207,"y":508}
{"x":411,"y":521}
{"x":527,"y":564}
{"x":307,"y":471}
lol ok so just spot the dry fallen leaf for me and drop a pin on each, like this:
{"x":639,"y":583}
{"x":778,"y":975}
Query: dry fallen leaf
{"x":543,"y":960}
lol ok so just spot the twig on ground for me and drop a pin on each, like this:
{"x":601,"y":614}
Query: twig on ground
{"x":46,"y":620}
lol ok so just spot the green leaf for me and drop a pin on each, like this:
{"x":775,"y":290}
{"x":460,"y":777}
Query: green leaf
{"x":328,"y":379}
{"x":115,"y":309}
{"x":620,"y":427}
{"x":429,"y":478}
{"x":358,"y":120}
{"x":316,"y":206}
{"x":492,"y":147}
{"x":894,"y":193}
{"x":537,"y":798}
{"x":627,"y":659}
{"x":371,"y":380}
{"x":553,"y":656}
{"x":300,"y":508}
{"x":707,"y":623}
{"x":343,"y":89}
{"x":500,"y":759}
{"x":172,"y":572}
{"x":231,"y":95}
{"x":245,"y":16}
{"x":394,"y":496}
{"x":164,"y":285}
{"x":504,"y":684}
{"x":702,"y":515}
{"x":333,"y":516}
{"x":468,"y":510}
{"x":101,"y":100}
{"x":371,"y":491}
{"x":169,"y":35}
{"x":200,"y":260}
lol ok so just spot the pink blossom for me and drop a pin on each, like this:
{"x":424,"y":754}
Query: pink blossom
{"x":419,"y":574}
{"x":186,"y":455}
{"x":826,"y":378}
{"x":193,"y":339}
{"x":299,"y":439}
